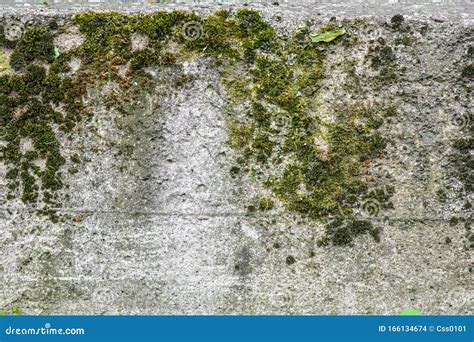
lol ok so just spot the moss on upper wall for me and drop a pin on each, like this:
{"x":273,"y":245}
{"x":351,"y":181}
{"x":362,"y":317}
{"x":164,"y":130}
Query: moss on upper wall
{"x":322,"y":162}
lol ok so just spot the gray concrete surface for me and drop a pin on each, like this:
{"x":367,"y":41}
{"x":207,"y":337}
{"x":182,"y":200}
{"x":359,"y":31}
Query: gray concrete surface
{"x":163,"y":229}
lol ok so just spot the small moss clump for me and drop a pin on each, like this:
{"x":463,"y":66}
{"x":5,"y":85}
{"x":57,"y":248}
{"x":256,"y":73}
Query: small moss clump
{"x":468,"y":71}
{"x":397,"y":21}
{"x":341,"y":232}
{"x":266,"y":204}
{"x":406,"y":40}
{"x":290,"y":260}
{"x":75,"y":158}
{"x":383,"y":58}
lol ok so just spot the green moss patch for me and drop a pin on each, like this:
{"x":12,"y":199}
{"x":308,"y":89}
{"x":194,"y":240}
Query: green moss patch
{"x":312,"y":165}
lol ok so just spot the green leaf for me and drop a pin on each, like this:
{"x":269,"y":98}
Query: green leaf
{"x":327,"y":36}
{"x":57,"y":52}
{"x":411,"y":312}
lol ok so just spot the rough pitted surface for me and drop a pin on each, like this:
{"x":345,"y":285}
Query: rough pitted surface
{"x":157,"y":224}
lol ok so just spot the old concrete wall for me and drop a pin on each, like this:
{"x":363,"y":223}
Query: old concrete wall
{"x":157,"y":225}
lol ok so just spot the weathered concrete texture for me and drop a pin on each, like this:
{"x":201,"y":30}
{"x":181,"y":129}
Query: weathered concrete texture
{"x":158,"y":226}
